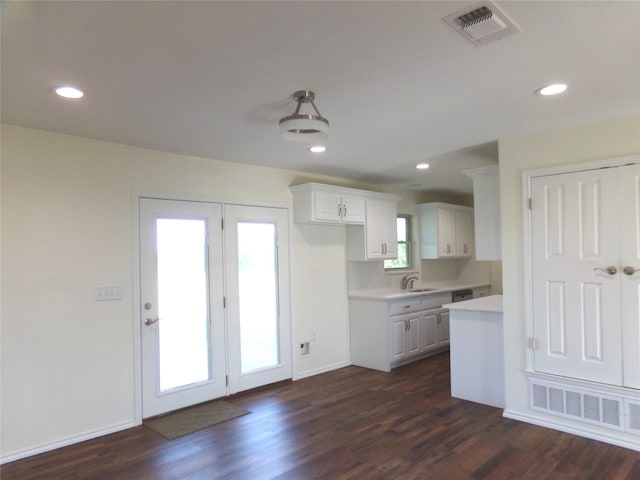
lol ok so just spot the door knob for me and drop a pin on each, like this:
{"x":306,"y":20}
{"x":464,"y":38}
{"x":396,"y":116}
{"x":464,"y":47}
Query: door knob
{"x":629,"y":270}
{"x":150,"y":321}
{"x":610,"y":270}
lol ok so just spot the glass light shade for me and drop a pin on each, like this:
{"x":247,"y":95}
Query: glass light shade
{"x":68,"y":91}
{"x":554,"y":89}
{"x":304,"y":128}
{"x":318,"y":149}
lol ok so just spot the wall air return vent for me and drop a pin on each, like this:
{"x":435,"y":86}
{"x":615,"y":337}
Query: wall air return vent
{"x":585,"y":405}
{"x":482,"y":23}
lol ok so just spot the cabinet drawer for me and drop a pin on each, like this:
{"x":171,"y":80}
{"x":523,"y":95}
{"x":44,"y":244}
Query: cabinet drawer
{"x":435,"y":300}
{"x":410,"y":305}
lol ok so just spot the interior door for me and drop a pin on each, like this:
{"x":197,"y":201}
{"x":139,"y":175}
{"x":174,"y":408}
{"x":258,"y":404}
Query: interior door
{"x":257,"y":300}
{"x":629,"y":211}
{"x":181,"y":313}
{"x":575,"y":233}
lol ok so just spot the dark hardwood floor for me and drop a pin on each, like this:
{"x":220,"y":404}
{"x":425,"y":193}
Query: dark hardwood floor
{"x":352,"y":423}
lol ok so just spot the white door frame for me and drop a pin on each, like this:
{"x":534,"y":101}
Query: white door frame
{"x":135,"y":320}
{"x":527,"y":176}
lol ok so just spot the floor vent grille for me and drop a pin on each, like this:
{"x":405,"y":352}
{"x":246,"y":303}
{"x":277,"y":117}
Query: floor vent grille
{"x":584,"y":405}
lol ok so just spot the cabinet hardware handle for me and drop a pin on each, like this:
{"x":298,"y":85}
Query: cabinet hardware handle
{"x":345,"y":210}
{"x":339,"y":210}
{"x":610,"y":270}
{"x":629,"y":270}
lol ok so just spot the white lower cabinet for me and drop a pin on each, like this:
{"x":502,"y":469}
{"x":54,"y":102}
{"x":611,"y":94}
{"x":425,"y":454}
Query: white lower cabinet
{"x":435,"y":329}
{"x":405,"y":336}
{"x":386,"y":334}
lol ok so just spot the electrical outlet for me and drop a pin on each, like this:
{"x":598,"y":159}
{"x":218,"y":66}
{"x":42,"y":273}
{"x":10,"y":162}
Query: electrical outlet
{"x":304,"y":348}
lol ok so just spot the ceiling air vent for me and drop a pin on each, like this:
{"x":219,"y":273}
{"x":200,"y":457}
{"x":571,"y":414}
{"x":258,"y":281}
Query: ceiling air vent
{"x":482,"y":23}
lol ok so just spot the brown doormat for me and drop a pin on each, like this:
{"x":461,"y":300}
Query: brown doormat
{"x":192,"y":419}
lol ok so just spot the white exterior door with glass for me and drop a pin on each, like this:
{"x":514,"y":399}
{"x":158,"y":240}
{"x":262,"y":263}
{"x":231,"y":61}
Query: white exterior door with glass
{"x":257,"y":301}
{"x":191,"y":344}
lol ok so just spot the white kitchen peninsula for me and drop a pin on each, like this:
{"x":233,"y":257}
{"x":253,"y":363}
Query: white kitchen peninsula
{"x":477,"y":353}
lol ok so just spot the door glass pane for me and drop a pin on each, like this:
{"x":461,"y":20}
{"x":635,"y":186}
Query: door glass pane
{"x":182,"y":302}
{"x":257,"y":274}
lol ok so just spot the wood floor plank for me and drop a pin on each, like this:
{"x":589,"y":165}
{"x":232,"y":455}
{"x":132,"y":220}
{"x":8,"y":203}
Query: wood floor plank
{"x":351,"y":423}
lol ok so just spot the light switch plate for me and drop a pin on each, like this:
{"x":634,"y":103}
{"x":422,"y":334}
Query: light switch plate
{"x":108,"y":293}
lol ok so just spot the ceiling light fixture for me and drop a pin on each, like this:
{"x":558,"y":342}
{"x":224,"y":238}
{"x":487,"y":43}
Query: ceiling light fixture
{"x":68,"y":91}
{"x":318,"y":149}
{"x":553,"y":89}
{"x":422,"y":166}
{"x":304,"y":128}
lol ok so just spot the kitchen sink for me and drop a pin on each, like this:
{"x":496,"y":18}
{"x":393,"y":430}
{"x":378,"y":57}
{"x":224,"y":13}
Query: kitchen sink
{"x":422,"y":289}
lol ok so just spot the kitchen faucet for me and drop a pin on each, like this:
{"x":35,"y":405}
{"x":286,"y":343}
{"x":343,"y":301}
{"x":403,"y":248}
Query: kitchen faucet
{"x":407,"y":281}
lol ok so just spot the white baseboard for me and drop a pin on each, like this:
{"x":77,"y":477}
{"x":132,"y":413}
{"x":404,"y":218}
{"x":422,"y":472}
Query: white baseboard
{"x":318,"y":371}
{"x":581,"y":432}
{"x":12,"y":457}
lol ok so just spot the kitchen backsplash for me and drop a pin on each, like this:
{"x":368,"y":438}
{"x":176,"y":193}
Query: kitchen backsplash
{"x":371,"y":275}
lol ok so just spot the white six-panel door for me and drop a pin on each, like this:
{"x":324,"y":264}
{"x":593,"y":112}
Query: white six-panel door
{"x":630,"y":276}
{"x":585,"y":230}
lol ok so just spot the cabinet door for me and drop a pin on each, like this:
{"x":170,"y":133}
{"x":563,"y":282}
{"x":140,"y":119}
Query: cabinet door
{"x":443,"y":328}
{"x":326,"y":207}
{"x":446,"y":232}
{"x":413,"y":335}
{"x":463,"y":234}
{"x":353,"y":209}
{"x":398,"y":333}
{"x":429,"y":330}
{"x":381,"y":230}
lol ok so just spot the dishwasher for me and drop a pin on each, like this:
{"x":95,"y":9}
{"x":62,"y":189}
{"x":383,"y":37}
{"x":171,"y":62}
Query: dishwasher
{"x":461,"y":295}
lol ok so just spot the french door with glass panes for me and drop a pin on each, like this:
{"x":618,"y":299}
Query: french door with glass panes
{"x":257,"y":300}
{"x":192,"y":348}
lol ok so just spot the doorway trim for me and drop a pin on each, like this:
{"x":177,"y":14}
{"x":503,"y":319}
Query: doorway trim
{"x":135,"y":228}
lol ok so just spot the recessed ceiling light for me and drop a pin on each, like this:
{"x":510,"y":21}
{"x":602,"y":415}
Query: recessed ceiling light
{"x":68,"y":91}
{"x":422,"y":166}
{"x":318,"y":149}
{"x":554,"y":89}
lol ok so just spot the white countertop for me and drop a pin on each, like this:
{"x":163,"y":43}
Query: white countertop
{"x":394,"y":294}
{"x":492,"y":303}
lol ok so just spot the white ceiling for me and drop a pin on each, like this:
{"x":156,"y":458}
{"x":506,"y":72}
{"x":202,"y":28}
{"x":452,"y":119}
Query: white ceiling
{"x":397,"y":84}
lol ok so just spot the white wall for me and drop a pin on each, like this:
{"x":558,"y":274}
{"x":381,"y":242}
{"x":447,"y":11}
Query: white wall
{"x":67,"y":227}
{"x":602,"y":140}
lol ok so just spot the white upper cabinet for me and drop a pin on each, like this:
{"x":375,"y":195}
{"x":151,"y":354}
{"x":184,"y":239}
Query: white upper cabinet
{"x":446,"y":231}
{"x":370,"y":217}
{"x":378,"y":239}
{"x":486,"y":201}
{"x":464,"y":233}
{"x":326,"y":204}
